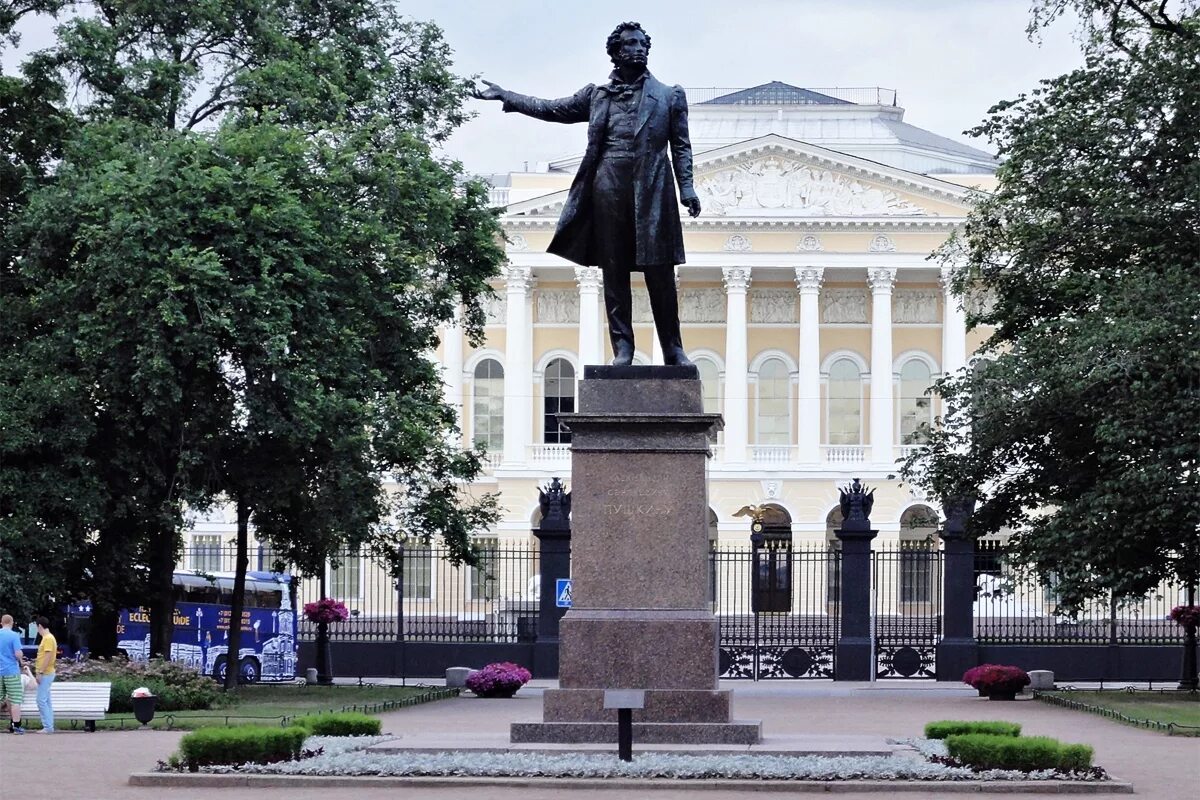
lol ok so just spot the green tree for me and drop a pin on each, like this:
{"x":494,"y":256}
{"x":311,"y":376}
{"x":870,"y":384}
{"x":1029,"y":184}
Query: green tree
{"x":1080,"y":432}
{"x":246,"y":249}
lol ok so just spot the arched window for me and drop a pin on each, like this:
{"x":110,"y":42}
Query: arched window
{"x":710,"y":386}
{"x":833,"y":557}
{"x":845,"y":402}
{"x":771,"y":580}
{"x":487,"y":405}
{"x":559,"y":384}
{"x":916,"y":407}
{"x":774,"y":408}
{"x":918,"y":545}
{"x":710,"y":383}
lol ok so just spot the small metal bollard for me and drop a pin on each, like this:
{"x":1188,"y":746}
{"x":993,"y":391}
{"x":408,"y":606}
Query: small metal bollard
{"x":624,"y":701}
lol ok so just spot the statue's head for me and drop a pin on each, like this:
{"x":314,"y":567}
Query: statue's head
{"x":628,"y":44}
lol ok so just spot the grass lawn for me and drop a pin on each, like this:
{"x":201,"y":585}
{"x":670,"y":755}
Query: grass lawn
{"x":265,"y":705}
{"x":1180,"y":708}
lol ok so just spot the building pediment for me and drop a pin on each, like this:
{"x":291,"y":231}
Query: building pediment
{"x":775,"y":178}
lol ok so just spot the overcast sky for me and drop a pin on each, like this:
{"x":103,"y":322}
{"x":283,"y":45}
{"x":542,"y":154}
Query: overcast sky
{"x":949,"y":60}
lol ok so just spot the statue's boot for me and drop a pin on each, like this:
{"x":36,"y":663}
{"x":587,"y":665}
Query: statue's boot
{"x":618,"y":306}
{"x":664,"y":302}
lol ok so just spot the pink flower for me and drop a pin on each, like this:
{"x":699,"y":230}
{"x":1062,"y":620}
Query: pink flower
{"x":1186,"y":616}
{"x":498,"y":680}
{"x":326,"y":610}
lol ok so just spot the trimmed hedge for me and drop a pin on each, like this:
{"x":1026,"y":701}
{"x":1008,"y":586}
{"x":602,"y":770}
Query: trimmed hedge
{"x":949,"y":727}
{"x":241,"y":744}
{"x":1027,"y":754}
{"x":346,"y":723}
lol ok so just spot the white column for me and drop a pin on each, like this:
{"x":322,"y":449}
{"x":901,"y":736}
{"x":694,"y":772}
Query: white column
{"x":518,"y":367}
{"x":881,"y":279}
{"x":452,"y":366}
{"x":808,"y":282}
{"x":954,"y":329}
{"x":737,"y":395}
{"x":591,"y":345}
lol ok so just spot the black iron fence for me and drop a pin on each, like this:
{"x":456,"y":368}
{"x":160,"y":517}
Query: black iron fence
{"x":777,"y":607}
{"x":427,"y":598}
{"x":1013,"y":610}
{"x":906,"y":608}
{"x":768,"y":599}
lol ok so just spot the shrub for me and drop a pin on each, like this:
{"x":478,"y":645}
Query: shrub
{"x":998,"y":678}
{"x":241,"y":744}
{"x":971,"y":677}
{"x":498,"y":680}
{"x":347,"y":723}
{"x":177,"y":687}
{"x":943,"y":728}
{"x":1075,"y":757}
{"x":1027,"y":754}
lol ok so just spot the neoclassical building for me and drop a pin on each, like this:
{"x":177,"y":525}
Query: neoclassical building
{"x":808,"y":301}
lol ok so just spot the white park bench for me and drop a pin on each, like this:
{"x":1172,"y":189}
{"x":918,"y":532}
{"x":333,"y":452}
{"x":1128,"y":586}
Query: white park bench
{"x":83,"y":700}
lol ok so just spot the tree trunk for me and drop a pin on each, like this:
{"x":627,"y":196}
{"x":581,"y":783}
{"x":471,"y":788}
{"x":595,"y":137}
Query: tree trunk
{"x":102,"y":630}
{"x":237,"y":607}
{"x":161,"y":597}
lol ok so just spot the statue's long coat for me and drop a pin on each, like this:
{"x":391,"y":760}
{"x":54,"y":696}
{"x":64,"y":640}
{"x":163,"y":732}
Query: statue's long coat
{"x":661,"y":121}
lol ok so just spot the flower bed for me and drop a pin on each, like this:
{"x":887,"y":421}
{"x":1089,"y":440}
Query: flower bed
{"x":997,"y":680}
{"x":498,"y":680}
{"x":350,"y":757}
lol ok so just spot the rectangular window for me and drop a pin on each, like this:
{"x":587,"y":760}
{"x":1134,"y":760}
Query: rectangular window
{"x":833,"y":572}
{"x":418,"y":572}
{"x":205,"y":553}
{"x":845,"y":420}
{"x":345,"y":580}
{"x":916,"y":575}
{"x":484,"y":580}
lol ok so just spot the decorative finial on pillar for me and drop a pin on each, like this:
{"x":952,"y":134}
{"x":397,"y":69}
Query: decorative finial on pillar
{"x":555,"y":503}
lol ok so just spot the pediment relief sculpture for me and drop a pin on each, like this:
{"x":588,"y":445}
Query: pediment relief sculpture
{"x":787,"y":187}
{"x":915,"y":305}
{"x":495,"y":309}
{"x":558,"y":306}
{"x":702,"y":305}
{"x":773,"y":305}
{"x":844,"y":306}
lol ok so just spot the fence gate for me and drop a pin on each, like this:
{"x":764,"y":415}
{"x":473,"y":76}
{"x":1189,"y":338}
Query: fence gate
{"x":778,"y":609}
{"x":906,"y":590}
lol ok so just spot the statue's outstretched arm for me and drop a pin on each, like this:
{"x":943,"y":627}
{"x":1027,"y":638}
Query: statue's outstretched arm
{"x":575,"y":108}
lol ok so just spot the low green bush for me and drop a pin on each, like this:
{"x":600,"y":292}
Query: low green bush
{"x":950,"y":727}
{"x":177,"y":687}
{"x":241,"y":744}
{"x":346,"y":723}
{"x":1026,"y":754}
{"x":1075,"y":757}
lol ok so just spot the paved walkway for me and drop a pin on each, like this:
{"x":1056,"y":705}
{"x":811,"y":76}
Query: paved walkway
{"x":96,"y":766}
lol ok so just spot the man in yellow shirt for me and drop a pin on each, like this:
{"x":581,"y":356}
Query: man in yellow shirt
{"x":44,"y":666}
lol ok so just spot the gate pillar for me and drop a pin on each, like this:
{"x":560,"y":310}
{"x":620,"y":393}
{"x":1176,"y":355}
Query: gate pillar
{"x":554,"y":562}
{"x":958,"y":651}
{"x":854,"y":660}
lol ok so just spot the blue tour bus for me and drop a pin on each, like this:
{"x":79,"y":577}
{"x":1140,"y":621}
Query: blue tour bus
{"x":202,"y":611}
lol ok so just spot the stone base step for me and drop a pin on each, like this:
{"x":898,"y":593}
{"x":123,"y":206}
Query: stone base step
{"x":643,"y":732}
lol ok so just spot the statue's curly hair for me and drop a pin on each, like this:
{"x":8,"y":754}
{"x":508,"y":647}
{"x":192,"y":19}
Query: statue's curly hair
{"x":614,"y":39}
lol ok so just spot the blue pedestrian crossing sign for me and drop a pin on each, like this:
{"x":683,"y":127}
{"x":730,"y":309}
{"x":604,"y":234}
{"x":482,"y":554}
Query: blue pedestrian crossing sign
{"x":562,"y":592}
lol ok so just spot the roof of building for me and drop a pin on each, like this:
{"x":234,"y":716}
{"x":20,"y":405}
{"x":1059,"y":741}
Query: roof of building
{"x":774,"y":93}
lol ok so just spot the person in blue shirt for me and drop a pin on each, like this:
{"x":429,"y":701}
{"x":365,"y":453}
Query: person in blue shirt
{"x":11,"y":660}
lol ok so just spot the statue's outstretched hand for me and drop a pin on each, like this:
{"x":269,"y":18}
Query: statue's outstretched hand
{"x":693,"y":206}
{"x":492,"y":92}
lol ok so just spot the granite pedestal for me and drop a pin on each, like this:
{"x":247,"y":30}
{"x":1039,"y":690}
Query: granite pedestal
{"x":641,"y":617}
